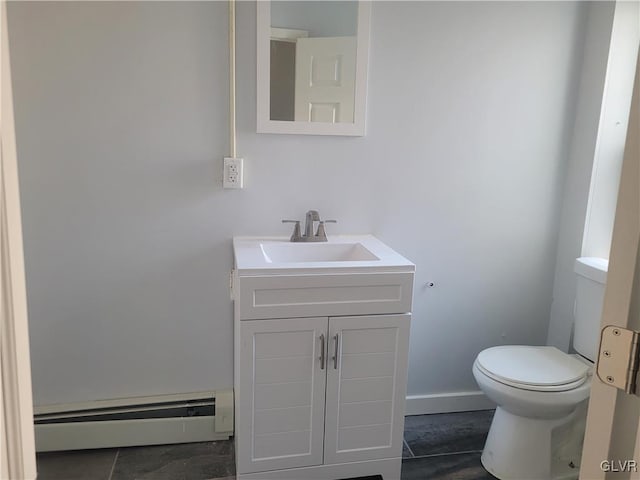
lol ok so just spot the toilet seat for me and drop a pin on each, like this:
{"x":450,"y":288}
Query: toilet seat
{"x":542,"y":369}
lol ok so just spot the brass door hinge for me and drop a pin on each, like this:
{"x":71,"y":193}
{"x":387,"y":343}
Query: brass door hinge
{"x":619,"y":358}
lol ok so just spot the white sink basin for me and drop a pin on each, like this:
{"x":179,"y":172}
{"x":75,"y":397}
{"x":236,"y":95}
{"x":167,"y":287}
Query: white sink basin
{"x":341,"y":254}
{"x":316,"y":252}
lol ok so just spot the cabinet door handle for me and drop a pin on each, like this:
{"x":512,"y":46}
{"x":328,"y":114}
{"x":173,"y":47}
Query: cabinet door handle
{"x":335,"y":353}
{"x":322,"y":350}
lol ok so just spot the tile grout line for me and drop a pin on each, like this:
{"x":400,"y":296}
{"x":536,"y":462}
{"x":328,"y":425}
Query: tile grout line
{"x":408,"y":447}
{"x":446,"y":454}
{"x":113,"y":467}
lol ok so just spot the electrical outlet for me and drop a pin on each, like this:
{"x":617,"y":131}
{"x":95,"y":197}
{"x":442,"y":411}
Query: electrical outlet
{"x":233,"y":174}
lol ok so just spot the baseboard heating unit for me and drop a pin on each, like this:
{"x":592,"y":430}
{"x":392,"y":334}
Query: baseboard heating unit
{"x":157,"y":420}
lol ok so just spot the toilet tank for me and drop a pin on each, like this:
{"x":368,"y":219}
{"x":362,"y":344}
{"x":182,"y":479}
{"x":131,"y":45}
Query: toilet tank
{"x":591,"y":274}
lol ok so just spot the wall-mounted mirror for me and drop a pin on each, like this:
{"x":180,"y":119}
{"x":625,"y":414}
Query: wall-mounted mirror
{"x":312,"y":66}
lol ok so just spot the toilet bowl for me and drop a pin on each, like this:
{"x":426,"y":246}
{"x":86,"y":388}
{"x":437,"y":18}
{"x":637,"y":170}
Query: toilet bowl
{"x":535,"y":433}
{"x":542,"y":393}
{"x":535,"y":382}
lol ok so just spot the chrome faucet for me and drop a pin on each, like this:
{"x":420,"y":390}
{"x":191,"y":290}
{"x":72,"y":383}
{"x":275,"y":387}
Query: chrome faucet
{"x":311,"y":217}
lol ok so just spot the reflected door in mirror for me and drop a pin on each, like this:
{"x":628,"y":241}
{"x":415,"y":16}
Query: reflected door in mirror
{"x":313,"y":61}
{"x":325,"y":75}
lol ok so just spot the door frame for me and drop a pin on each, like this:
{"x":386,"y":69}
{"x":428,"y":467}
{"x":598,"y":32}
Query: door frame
{"x":16,"y":404}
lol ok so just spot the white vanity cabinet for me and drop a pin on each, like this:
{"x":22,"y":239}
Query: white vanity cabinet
{"x":321,"y":368}
{"x":321,"y":390}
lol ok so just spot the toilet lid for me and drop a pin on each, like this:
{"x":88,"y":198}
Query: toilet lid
{"x":534,"y":368}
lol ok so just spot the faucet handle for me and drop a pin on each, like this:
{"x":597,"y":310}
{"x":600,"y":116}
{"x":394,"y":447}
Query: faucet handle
{"x":321,"y":234}
{"x":295,"y":236}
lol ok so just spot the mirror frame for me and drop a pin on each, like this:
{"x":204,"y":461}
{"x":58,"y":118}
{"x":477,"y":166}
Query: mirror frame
{"x":263,"y":120}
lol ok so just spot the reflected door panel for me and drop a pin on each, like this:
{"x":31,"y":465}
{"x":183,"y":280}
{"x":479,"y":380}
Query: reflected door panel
{"x":325,"y":79}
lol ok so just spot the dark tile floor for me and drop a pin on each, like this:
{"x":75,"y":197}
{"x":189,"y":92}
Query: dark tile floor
{"x":443,"y":446}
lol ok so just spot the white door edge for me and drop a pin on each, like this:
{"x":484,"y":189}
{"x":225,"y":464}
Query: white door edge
{"x":618,"y":297}
{"x":18,"y":445}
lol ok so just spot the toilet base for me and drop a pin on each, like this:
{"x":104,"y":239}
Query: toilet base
{"x":533,"y":448}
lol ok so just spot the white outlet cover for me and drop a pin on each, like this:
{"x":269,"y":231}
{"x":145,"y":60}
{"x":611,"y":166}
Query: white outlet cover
{"x":233,"y":173}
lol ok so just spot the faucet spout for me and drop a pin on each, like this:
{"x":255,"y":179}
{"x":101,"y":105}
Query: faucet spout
{"x":312,"y":216}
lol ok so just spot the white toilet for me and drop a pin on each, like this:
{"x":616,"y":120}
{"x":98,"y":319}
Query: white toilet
{"x":542,"y":392}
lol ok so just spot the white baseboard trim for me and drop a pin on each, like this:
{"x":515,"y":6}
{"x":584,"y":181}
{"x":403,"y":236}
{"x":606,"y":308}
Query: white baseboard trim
{"x":447,"y":402}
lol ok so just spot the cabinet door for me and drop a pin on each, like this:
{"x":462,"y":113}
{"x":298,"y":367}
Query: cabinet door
{"x":366,"y":387}
{"x":280,"y":419}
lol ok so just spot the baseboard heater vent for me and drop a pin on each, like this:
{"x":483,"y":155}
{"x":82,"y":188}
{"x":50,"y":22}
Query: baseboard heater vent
{"x":165,"y":419}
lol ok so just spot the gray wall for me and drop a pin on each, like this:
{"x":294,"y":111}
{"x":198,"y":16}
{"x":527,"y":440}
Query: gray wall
{"x":121,"y":118}
{"x":121,"y":123}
